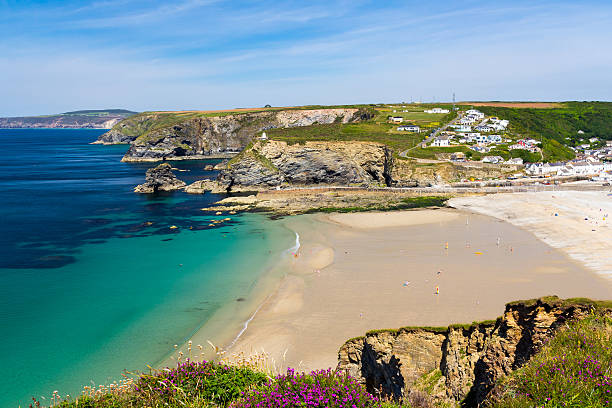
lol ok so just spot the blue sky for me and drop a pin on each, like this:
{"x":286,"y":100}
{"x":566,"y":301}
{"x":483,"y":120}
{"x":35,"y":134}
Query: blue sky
{"x":57,"y":56}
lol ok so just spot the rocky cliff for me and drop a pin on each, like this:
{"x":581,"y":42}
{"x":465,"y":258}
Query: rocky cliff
{"x":267,"y":164}
{"x":411,"y":173}
{"x":457,"y":363}
{"x":157,"y":136}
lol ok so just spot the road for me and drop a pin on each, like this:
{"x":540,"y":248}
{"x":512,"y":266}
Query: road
{"x":431,"y":137}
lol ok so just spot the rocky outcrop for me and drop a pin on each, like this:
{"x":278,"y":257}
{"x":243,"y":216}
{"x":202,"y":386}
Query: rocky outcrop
{"x":412,"y":173}
{"x":461,"y":363}
{"x":160,"y":178}
{"x":163,"y":135}
{"x":112,"y":137}
{"x":269,"y":164}
{"x":202,"y":186}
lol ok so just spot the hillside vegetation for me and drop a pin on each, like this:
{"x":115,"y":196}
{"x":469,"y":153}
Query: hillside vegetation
{"x":560,"y":124}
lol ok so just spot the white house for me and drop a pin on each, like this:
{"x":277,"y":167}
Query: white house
{"x":475,"y":113}
{"x":482,"y":139}
{"x":543,"y":169}
{"x":441,"y":141}
{"x":494,"y":138}
{"x":515,"y":160}
{"x":463,"y":128}
{"x":437,"y":110}
{"x":492,"y":159}
{"x":396,"y":119}
{"x":410,"y":128}
{"x":467,"y":121}
{"x":263,"y":136}
{"x":483,"y":128}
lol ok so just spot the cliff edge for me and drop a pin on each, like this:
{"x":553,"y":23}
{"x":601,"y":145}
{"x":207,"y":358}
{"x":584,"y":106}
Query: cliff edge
{"x":459,"y":363}
{"x":156,"y":136}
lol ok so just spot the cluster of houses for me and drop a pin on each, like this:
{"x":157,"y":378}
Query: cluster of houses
{"x":470,"y":137}
{"x":477,"y":119}
{"x":591,"y":162}
{"x":526,"y":144}
{"x":571,"y":168}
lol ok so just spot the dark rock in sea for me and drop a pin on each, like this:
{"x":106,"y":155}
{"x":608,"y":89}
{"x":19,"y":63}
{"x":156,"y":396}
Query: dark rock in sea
{"x":160,"y":178}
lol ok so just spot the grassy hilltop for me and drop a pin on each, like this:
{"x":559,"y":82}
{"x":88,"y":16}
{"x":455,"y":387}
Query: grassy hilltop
{"x":556,"y":125}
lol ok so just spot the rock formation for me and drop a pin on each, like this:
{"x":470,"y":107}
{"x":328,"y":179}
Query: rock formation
{"x":160,"y":178}
{"x":274,"y":163}
{"x":158,"y":136}
{"x":462,"y":363}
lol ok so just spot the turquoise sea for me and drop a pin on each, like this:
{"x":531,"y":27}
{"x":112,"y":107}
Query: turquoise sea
{"x":92,"y":278}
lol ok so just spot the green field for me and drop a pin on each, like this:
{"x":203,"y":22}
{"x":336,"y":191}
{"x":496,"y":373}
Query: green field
{"x":366,"y":131}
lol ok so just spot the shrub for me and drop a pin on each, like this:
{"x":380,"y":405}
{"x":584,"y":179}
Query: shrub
{"x":190,"y":384}
{"x":206,"y":381}
{"x":573,"y":370}
{"x":325,"y":388}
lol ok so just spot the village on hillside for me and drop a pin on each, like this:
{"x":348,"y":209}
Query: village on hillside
{"x":473,"y":131}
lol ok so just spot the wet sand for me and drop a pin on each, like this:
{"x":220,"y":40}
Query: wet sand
{"x":358,"y":272}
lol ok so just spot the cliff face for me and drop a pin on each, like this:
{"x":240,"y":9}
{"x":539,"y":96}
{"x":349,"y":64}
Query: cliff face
{"x":409,"y":173}
{"x":273,"y":163}
{"x":458,"y":363}
{"x":158,"y":136}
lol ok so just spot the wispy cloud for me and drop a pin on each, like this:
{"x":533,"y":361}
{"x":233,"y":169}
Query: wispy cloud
{"x":213,"y":53}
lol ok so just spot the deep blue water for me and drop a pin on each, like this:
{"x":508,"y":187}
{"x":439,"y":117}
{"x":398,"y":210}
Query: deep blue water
{"x":92,"y":278}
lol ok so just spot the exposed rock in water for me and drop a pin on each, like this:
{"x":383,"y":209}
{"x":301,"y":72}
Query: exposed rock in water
{"x":463,"y":362}
{"x":201,"y":186}
{"x":273,"y":163}
{"x":160,"y":178}
{"x":113,"y":136}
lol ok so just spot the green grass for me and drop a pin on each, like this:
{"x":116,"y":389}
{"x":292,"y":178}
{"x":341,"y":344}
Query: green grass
{"x":573,"y":370}
{"x":403,"y":204}
{"x":337,"y":132}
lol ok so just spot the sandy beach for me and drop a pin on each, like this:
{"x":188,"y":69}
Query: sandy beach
{"x":577,"y":222}
{"x":358,"y":272}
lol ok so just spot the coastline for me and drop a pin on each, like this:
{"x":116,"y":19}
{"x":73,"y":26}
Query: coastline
{"x":360,"y":269}
{"x":225,"y":327}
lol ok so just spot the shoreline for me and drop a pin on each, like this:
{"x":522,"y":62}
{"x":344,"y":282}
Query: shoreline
{"x":222,"y":330}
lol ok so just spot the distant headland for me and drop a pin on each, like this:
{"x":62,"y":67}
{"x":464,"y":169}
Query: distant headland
{"x":95,"y":119}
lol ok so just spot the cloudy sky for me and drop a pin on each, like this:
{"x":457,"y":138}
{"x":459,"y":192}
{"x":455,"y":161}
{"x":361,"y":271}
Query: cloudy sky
{"x":57,"y":56}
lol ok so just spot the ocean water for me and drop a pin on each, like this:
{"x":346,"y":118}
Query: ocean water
{"x":93,"y":280}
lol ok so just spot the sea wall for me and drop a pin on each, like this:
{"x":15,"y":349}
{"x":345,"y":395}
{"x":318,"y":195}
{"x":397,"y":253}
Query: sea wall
{"x":458,"y":363}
